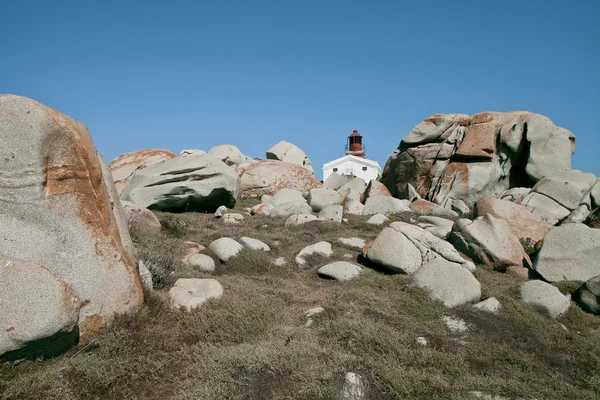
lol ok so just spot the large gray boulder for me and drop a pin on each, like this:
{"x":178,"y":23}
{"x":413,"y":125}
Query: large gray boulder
{"x":570,"y":253}
{"x":269,"y":176}
{"x":404,"y":248}
{"x":448,"y":282}
{"x":332,"y":213}
{"x":192,"y":183}
{"x":319,"y":198}
{"x":454,"y":157}
{"x":357,"y":185}
{"x":35,"y":307}
{"x":385,"y":205}
{"x":123,"y":167}
{"x":439,"y":227}
{"x":522,"y":222}
{"x":231,"y":156}
{"x":490,"y":241}
{"x":556,"y":196}
{"x":59,"y":209}
{"x":289,"y":153}
{"x":335,"y":181}
{"x":544,"y":298}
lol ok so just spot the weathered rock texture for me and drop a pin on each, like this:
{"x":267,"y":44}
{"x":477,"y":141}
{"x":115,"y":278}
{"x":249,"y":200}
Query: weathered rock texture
{"x":453,"y":158}
{"x":268,"y":176}
{"x":231,"y":155}
{"x":289,"y":153}
{"x":40,"y":313}
{"x":192,"y":183}
{"x":55,"y":211}
{"x":124,"y":166}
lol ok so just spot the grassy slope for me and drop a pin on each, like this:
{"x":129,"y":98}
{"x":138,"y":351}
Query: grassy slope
{"x":253,"y":343}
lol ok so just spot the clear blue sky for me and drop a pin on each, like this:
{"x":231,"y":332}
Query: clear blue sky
{"x":194,"y":74}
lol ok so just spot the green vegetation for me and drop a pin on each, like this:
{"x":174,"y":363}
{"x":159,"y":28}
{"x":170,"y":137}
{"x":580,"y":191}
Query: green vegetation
{"x":254,"y":343}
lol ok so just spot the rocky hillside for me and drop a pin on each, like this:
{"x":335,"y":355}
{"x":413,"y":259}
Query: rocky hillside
{"x":469,"y":272}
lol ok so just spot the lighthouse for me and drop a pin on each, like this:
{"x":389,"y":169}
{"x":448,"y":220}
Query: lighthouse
{"x":354,"y":145}
{"x":354,"y":164}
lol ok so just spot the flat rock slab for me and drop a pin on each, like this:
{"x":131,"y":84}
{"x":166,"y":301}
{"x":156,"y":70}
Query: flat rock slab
{"x":299,"y":219}
{"x":188,"y":294}
{"x":355,"y":242}
{"x":340,"y":271}
{"x":544,"y":298}
{"x":448,"y":282}
{"x":225,"y":248}
{"x":385,"y":205}
{"x":570,"y":253}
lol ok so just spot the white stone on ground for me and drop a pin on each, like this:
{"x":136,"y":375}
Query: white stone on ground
{"x":145,"y":276}
{"x":253,"y":244}
{"x":355,"y":242}
{"x":321,"y":248}
{"x":313,"y":311}
{"x":491,"y":305}
{"x":188,"y":294}
{"x":225,"y":248}
{"x":354,"y":387}
{"x":378,"y":219}
{"x":340,"y":271}
{"x":232,"y":218}
{"x":455,"y":325}
{"x":279,"y":261}
{"x":220,"y":211}
{"x":544,"y":298}
{"x":422,"y":341}
{"x":202,"y":262}
{"x":448,"y":282}
{"x":299,"y":219}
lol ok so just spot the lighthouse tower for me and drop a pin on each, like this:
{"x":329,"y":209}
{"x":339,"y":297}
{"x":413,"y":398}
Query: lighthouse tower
{"x":354,"y":146}
{"x":354,"y":164}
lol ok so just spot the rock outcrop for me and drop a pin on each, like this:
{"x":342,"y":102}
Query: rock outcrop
{"x":124,"y":166}
{"x":289,"y":153}
{"x":452,"y":159}
{"x":269,"y":176}
{"x":231,"y":156}
{"x":191,"y":183}
{"x":59,"y":211}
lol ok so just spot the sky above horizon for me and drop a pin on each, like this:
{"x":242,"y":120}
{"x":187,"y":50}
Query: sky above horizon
{"x":194,"y":74}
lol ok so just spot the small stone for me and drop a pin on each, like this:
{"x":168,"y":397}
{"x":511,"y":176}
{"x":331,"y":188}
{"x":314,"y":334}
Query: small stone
{"x":422,"y":341}
{"x":253,"y":244}
{"x":491,"y":305}
{"x":378,"y":219}
{"x":321,"y":248}
{"x":225,"y":248}
{"x":313,"y":311}
{"x":220,"y":211}
{"x":145,"y":276}
{"x":279,"y":261}
{"x":354,"y":387}
{"x":232,"y":218}
{"x":201,"y":262}
{"x":340,"y":271}
{"x":455,"y":325}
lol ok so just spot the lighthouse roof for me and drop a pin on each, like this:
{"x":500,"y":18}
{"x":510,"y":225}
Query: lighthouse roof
{"x":355,"y":133}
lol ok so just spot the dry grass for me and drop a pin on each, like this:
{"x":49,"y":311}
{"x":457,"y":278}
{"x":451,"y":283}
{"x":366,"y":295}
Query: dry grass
{"x":254,"y":343}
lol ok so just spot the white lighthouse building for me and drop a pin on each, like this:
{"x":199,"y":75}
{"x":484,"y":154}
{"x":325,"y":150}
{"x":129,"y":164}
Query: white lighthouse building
{"x":354,"y":163}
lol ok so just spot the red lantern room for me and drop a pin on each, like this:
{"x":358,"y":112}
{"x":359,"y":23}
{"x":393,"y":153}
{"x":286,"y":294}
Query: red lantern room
{"x":354,"y":147}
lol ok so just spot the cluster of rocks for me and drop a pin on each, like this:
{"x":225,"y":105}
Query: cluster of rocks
{"x":494,"y":190}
